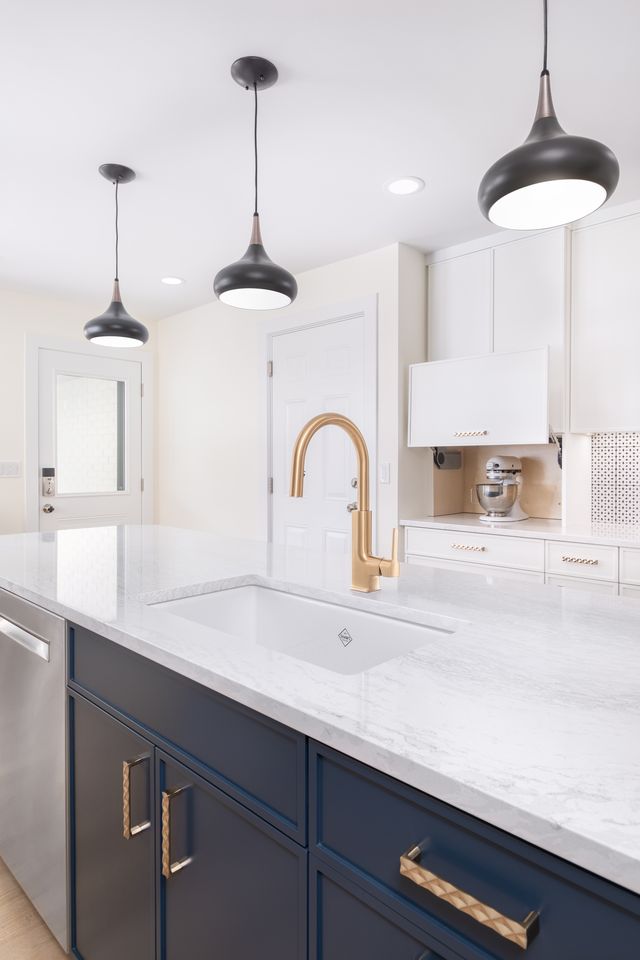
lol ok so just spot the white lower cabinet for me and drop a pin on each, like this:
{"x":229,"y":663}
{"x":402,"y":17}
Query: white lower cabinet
{"x":630,"y":566}
{"x":477,"y":549}
{"x":577,"y":583}
{"x":489,"y":574}
{"x":627,"y":591}
{"x":586,"y":561}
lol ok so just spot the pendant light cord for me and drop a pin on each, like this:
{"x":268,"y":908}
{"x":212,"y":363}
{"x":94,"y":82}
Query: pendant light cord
{"x":255,"y":149}
{"x":546,"y":37}
{"x":116,"y":276}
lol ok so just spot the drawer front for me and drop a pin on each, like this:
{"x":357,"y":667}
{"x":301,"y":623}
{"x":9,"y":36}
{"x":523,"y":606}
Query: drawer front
{"x":627,"y":591}
{"x":346,"y":923}
{"x":579,"y":583}
{"x":630,"y":566}
{"x":584,"y":560}
{"x":488,"y":573}
{"x":363,"y":822}
{"x":476,"y":548}
{"x":256,"y":760}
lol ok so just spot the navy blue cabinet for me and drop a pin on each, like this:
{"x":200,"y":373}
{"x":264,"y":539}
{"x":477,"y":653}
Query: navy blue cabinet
{"x":232,"y":885}
{"x":113,"y":903}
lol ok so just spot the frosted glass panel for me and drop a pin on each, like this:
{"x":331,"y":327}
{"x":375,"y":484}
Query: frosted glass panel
{"x":89,"y":435}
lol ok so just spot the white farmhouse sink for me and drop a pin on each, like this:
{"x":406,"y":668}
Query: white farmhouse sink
{"x":332,"y":636}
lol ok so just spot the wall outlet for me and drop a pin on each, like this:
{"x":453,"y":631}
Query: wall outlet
{"x":10,"y":468}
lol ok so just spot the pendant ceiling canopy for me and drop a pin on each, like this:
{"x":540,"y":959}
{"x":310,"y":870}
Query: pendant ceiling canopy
{"x":115,"y":327}
{"x":255,"y":282}
{"x":553,"y":178}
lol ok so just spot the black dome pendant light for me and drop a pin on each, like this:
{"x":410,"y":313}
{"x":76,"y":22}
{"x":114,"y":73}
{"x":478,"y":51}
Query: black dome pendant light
{"x":115,"y":327}
{"x":553,"y":178}
{"x":255,"y":282}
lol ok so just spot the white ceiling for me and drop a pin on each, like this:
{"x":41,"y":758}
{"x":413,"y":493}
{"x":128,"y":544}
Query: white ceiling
{"x":368,"y":91}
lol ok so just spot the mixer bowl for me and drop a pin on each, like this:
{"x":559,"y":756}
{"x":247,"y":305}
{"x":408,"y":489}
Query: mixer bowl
{"x":497,"y":498}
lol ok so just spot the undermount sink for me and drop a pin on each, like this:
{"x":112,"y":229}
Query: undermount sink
{"x":338,"y":638}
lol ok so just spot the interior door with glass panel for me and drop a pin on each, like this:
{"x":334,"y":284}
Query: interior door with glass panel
{"x":89,"y":438}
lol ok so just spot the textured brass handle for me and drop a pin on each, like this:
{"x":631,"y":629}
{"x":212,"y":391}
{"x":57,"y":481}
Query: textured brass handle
{"x":129,"y":831}
{"x":520,"y":933}
{"x":468,"y":546}
{"x":589,"y":561}
{"x":169,"y":868}
{"x":471,"y":433}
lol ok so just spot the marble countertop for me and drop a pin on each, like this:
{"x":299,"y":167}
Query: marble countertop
{"x":607,"y":534}
{"x":527,"y":717}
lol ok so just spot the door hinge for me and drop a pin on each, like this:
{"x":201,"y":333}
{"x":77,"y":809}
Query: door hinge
{"x":270,"y":484}
{"x":269,"y":368}
{"x":141,"y":484}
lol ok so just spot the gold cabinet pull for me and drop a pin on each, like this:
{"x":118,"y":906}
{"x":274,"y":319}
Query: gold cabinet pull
{"x":169,"y":868}
{"x":130,"y":830}
{"x":520,"y":933}
{"x":473,"y":547}
{"x":590,"y":562}
{"x":470,"y":433}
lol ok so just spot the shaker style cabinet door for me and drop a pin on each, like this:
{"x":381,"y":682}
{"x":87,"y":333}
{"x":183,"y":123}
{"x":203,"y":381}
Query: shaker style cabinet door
{"x":113,"y":897}
{"x":459,"y":306}
{"x":232,"y":886}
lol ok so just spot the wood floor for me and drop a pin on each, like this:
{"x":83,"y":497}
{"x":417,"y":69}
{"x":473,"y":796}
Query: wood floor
{"x":23,"y":935}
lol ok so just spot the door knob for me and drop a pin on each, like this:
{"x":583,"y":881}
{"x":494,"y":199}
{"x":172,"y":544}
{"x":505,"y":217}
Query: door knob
{"x":48,"y":508}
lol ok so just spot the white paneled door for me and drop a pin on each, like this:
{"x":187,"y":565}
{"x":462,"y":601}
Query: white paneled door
{"x":89,"y":440}
{"x":328,"y":367}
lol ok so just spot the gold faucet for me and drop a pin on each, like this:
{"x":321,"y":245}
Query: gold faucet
{"x":366,"y":570}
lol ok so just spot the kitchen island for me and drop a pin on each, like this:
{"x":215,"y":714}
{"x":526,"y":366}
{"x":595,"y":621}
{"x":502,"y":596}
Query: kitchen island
{"x":521,"y":708}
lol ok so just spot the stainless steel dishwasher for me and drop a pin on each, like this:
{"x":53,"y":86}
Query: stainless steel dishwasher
{"x":33,"y":820}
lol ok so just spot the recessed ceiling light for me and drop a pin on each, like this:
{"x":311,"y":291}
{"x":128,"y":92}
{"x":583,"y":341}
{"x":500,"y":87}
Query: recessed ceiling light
{"x":405,"y":186}
{"x":172,"y":281}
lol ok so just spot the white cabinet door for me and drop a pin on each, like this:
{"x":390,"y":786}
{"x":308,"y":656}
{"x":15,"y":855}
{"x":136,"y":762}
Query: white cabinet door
{"x":460,"y":309}
{"x":605,"y":388}
{"x":501,"y":398}
{"x":529,"y":304}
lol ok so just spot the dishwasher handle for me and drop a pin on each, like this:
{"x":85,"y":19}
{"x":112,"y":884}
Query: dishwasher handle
{"x":29,"y":641}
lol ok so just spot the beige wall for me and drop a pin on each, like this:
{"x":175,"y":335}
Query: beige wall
{"x":212,"y":390}
{"x":23,"y":314}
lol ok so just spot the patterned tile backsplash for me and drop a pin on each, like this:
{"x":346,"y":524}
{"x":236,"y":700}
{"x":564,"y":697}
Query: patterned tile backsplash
{"x":615,"y":477}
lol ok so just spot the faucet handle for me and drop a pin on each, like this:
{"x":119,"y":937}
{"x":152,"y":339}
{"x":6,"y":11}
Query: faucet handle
{"x":391,"y":568}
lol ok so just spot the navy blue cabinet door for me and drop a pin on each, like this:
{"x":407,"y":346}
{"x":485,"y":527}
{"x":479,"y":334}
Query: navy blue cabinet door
{"x":232,"y":886}
{"x":347,"y":923}
{"x":113,"y":900}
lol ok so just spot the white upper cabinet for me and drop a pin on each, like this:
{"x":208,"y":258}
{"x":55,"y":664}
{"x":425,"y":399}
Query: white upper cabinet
{"x":501,"y":398}
{"x":459,"y":298}
{"x":509,"y":297}
{"x":605,"y":321}
{"x":529,"y":305}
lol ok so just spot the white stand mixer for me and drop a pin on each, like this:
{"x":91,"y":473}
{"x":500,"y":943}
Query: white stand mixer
{"x":499,"y":497}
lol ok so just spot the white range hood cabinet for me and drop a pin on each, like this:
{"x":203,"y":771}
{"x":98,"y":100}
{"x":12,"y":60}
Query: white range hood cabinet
{"x":491,"y":400}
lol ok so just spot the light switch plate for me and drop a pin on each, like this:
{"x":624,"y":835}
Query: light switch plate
{"x":10,"y":468}
{"x":385,"y":473}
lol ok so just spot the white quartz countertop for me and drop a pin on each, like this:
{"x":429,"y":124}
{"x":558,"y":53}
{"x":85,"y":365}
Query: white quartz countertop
{"x":607,"y":534}
{"x":527,"y":717}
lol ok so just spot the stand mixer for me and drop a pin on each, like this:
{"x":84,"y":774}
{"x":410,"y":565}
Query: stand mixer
{"x":499,"y":497}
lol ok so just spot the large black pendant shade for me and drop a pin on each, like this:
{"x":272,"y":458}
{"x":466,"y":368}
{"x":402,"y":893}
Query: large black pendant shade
{"x":116,"y":327}
{"x":255,"y":282}
{"x":553,"y":178}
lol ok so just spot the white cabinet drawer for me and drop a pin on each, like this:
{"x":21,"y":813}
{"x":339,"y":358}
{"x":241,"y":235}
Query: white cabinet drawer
{"x":627,"y":591}
{"x":476,"y":548}
{"x":583,"y":560}
{"x":579,"y":583}
{"x":488,"y":573}
{"x":630,"y":565}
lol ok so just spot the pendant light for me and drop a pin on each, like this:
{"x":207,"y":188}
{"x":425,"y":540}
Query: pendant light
{"x":553,"y":178}
{"x":255,"y":282}
{"x":115,"y":327}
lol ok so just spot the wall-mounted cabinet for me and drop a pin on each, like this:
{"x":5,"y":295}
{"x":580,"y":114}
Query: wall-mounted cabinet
{"x":605,"y":320}
{"x":510,"y":297}
{"x":500,"y":398}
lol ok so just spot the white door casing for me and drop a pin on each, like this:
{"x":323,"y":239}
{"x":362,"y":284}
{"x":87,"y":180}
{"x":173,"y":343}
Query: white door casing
{"x":84,"y":420}
{"x":319,"y":368}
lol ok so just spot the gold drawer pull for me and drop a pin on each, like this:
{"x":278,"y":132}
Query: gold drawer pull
{"x":468,"y":546}
{"x":520,"y":933}
{"x":471,"y":433}
{"x":589,"y":561}
{"x":129,"y":830}
{"x":169,"y":868}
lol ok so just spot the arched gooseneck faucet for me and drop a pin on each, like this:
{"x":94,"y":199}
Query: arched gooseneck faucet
{"x":366,"y":569}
